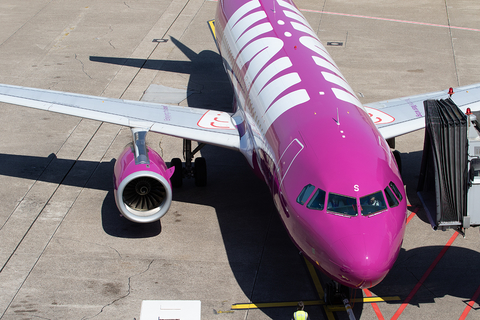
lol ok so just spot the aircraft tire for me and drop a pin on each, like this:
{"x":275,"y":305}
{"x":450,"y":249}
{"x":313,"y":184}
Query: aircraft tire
{"x":200,"y":172}
{"x":177,"y":177}
{"x":398,"y":159}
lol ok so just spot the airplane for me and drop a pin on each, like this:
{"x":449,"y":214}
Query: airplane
{"x":325,"y":157}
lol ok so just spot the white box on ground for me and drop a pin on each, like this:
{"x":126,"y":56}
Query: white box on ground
{"x":170,"y":310}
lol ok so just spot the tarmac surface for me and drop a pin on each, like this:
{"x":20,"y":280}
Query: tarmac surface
{"x":65,"y":253}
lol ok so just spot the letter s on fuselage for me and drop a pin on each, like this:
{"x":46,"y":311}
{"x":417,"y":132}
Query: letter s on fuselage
{"x":314,"y":143}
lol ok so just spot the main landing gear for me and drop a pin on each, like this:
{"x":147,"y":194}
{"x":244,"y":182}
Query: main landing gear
{"x":198,"y":171}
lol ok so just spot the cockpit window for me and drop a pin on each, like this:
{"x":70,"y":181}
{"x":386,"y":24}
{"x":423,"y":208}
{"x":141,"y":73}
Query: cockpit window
{"x":342,"y":204}
{"x":305,"y":194}
{"x":396,"y":191}
{"x":318,"y":200}
{"x":392,"y":201}
{"x":373,"y":203}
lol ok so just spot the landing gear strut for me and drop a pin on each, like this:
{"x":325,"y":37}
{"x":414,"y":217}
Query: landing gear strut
{"x":337,"y":294}
{"x":197,"y":171}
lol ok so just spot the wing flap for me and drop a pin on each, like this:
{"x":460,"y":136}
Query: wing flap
{"x":207,"y":126}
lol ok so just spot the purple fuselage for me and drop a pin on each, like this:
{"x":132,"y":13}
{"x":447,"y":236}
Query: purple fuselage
{"x":303,"y":128}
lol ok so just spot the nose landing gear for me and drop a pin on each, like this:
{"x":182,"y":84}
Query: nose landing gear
{"x":337,"y":294}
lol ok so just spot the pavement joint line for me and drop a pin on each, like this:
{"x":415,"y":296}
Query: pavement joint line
{"x":153,"y":50}
{"x":64,"y":216}
{"x":454,"y":57}
{"x":50,"y":197}
{"x":44,"y":248}
{"x":260,"y":259}
{"x":424,"y":277}
{"x":45,"y":169}
{"x":26,"y":22}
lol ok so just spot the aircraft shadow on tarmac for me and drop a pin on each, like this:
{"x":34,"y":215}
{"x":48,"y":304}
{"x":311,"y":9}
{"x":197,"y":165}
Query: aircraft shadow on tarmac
{"x":208,"y":83}
{"x":82,"y":174}
{"x":264,"y":261}
{"x":411,"y":163}
{"x":452,"y":276}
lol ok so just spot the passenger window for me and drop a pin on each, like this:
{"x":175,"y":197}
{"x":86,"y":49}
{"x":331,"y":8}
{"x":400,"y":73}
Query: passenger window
{"x":392,"y":201}
{"x":373,"y":203}
{"x":305,"y":194}
{"x":396,"y":191}
{"x":318,"y":200}
{"x":342,"y":204}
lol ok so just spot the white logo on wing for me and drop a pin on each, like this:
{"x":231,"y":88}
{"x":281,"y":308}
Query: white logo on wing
{"x":379,"y":117}
{"x":216,"y":120}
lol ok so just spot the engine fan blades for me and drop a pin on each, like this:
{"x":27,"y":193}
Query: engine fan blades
{"x":144,"y":194}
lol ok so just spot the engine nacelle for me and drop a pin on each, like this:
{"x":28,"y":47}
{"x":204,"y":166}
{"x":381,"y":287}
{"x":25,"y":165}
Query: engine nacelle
{"x":143,"y":191}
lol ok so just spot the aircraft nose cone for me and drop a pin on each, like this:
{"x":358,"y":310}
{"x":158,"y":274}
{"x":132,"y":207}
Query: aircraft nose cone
{"x":366,"y":260}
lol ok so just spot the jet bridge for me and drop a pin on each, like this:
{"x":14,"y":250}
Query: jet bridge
{"x":449,"y":182}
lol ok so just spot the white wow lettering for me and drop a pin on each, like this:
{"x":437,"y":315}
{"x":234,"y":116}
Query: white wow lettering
{"x":323,"y":59}
{"x":255,"y":53}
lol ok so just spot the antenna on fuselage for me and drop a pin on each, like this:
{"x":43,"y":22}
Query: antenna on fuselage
{"x":338,"y":118}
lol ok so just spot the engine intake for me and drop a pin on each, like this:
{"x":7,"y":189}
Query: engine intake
{"x":143,"y":192}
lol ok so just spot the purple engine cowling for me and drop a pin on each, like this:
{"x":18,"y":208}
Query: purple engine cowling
{"x":143,"y":191}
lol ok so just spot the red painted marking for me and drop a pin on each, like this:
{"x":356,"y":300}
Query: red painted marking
{"x":470,"y":304}
{"x":425,"y":276}
{"x":374,"y":305}
{"x":215,"y":120}
{"x":410,"y":217}
{"x":391,"y":20}
{"x":218,"y":120}
{"x":385,"y":19}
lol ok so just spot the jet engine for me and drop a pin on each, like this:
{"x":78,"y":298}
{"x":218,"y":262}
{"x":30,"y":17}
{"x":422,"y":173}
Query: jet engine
{"x":143,"y":192}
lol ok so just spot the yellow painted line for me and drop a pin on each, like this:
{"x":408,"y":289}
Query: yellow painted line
{"x":238,"y":306}
{"x":241,"y":306}
{"x":319,"y":288}
{"x":315,"y":279}
{"x":211,"y":25}
{"x":376,"y":299}
{"x":335,"y":308}
{"x":320,"y":292}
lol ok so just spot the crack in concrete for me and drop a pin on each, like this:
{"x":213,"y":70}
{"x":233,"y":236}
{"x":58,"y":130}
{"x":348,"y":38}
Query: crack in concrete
{"x":95,"y":243}
{"x":124,"y":296}
{"x":161,"y":148}
{"x":40,"y":317}
{"x":83,"y":66}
